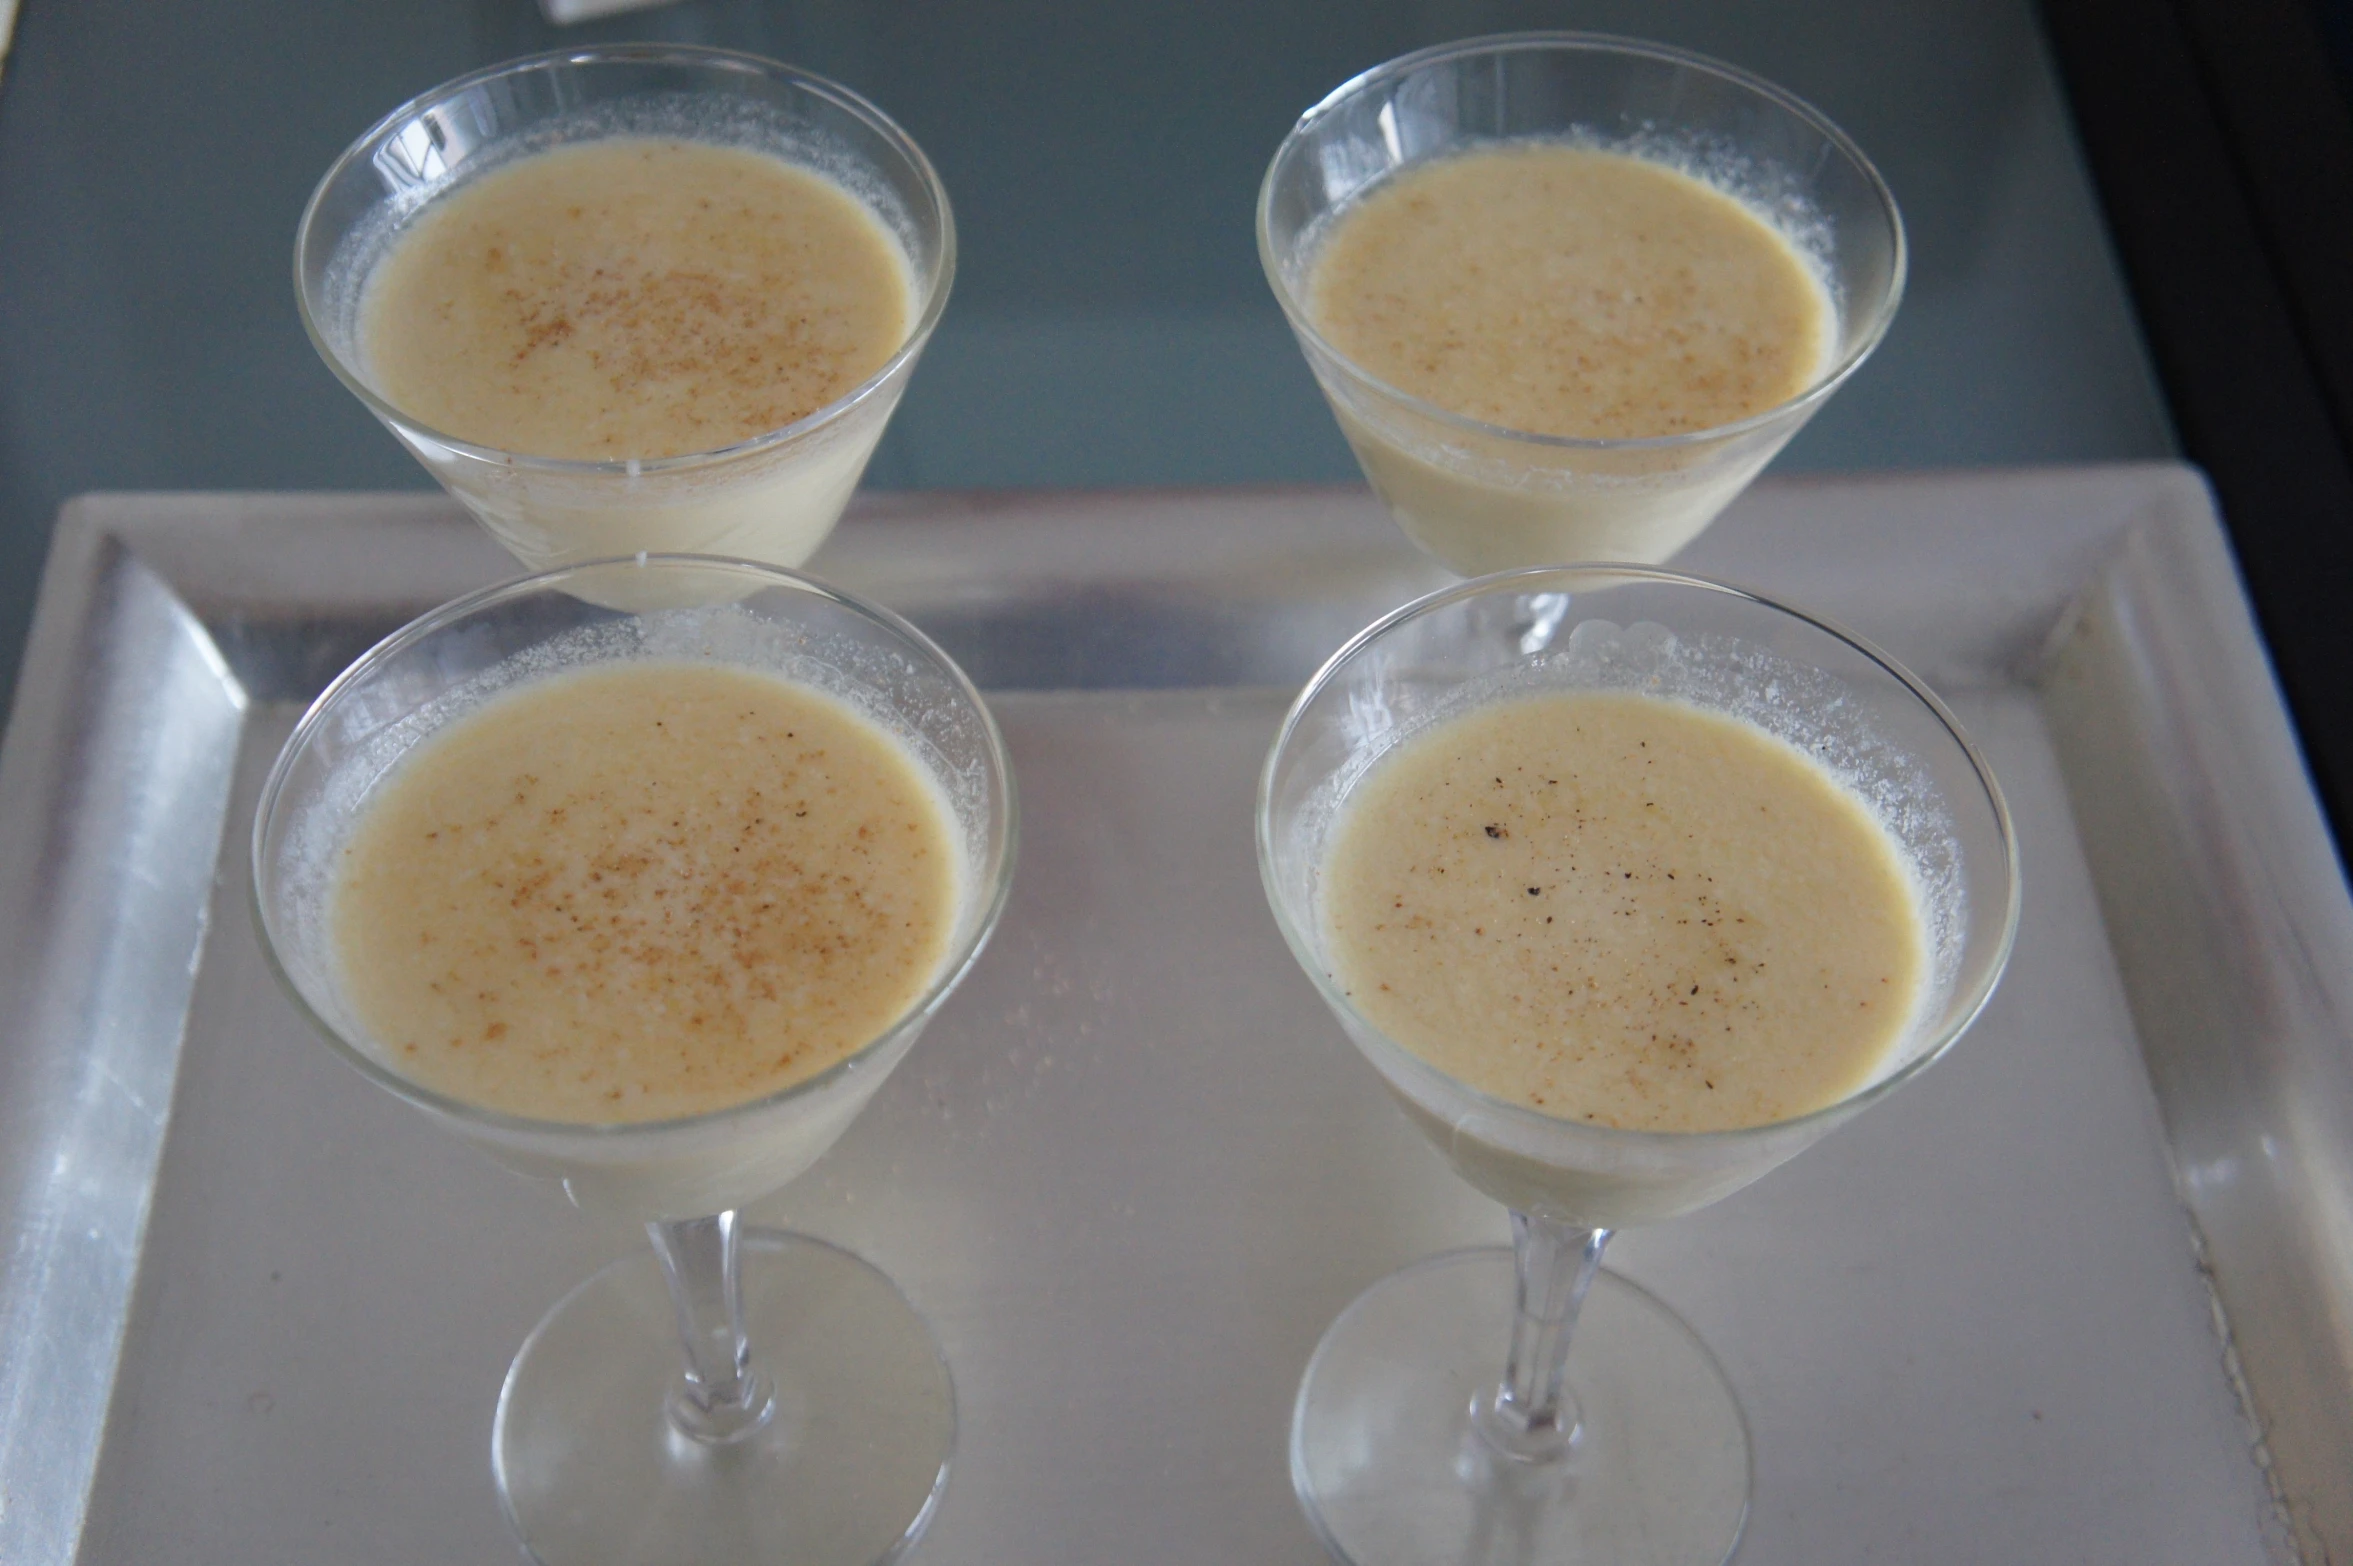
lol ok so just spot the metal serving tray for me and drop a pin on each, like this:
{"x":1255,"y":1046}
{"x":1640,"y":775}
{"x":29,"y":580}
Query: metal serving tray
{"x":253,"y":1310}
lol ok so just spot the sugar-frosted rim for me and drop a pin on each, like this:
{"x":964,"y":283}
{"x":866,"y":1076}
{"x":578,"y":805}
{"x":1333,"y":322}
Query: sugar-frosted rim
{"x":1295,"y":310}
{"x":726,"y":60}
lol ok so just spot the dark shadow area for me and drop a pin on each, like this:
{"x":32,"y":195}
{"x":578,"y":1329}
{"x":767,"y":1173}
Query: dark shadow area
{"x":2222,"y":143}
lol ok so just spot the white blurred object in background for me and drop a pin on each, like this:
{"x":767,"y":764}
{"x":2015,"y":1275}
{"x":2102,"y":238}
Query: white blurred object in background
{"x":556,"y":11}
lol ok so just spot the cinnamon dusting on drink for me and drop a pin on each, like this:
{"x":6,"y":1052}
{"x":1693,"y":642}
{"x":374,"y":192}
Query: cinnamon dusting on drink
{"x":1658,"y":918}
{"x":634,"y":298}
{"x":1570,"y":291}
{"x":643,"y":892}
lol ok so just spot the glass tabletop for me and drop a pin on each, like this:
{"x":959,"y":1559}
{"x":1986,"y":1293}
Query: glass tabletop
{"x":1109,"y":325}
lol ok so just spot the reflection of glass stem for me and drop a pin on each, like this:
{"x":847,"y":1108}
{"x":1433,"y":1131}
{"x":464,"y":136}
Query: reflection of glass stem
{"x":720,"y":1396}
{"x":1531,"y":1416}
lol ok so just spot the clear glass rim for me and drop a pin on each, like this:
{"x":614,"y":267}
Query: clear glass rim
{"x":1295,"y":311}
{"x":1963,"y":1010}
{"x":951,"y":972}
{"x":729,"y":61}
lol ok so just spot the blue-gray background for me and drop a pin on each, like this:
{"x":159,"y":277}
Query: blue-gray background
{"x":1109,"y":324}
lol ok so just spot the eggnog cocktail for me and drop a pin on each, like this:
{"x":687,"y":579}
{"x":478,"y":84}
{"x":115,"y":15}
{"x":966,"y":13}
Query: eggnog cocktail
{"x":1567,"y":294}
{"x":1569,"y":291}
{"x":648,"y":299}
{"x":634,"y":297}
{"x":643,"y":893}
{"x":1631,"y":886}
{"x":652,"y":902}
{"x":1625,"y":911}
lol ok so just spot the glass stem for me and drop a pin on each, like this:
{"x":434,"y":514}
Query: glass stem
{"x":720,"y":1396}
{"x":1531,"y":1416}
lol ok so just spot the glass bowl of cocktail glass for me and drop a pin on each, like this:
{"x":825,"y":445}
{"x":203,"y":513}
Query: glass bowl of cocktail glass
{"x":1482,"y":495}
{"x":1451,"y":1413}
{"x":729,"y":1394}
{"x":770,"y":494}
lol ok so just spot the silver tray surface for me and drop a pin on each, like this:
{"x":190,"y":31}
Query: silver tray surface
{"x":2083,"y":1294}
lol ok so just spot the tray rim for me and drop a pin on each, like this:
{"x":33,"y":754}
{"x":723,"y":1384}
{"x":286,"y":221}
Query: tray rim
{"x":126,"y":554}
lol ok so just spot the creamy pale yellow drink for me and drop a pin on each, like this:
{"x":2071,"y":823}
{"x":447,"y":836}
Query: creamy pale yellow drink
{"x":643,"y":892}
{"x":634,"y":299}
{"x":1624,"y":911}
{"x":1563,"y":291}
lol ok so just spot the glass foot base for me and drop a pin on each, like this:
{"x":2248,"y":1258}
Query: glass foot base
{"x":1390,"y":1471}
{"x":846,"y":1473}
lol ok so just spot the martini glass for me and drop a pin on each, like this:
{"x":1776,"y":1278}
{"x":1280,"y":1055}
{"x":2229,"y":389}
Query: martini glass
{"x":1525,"y":1405}
{"x":729,"y":1394}
{"x":773,"y":496}
{"x":1483,"y":497}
